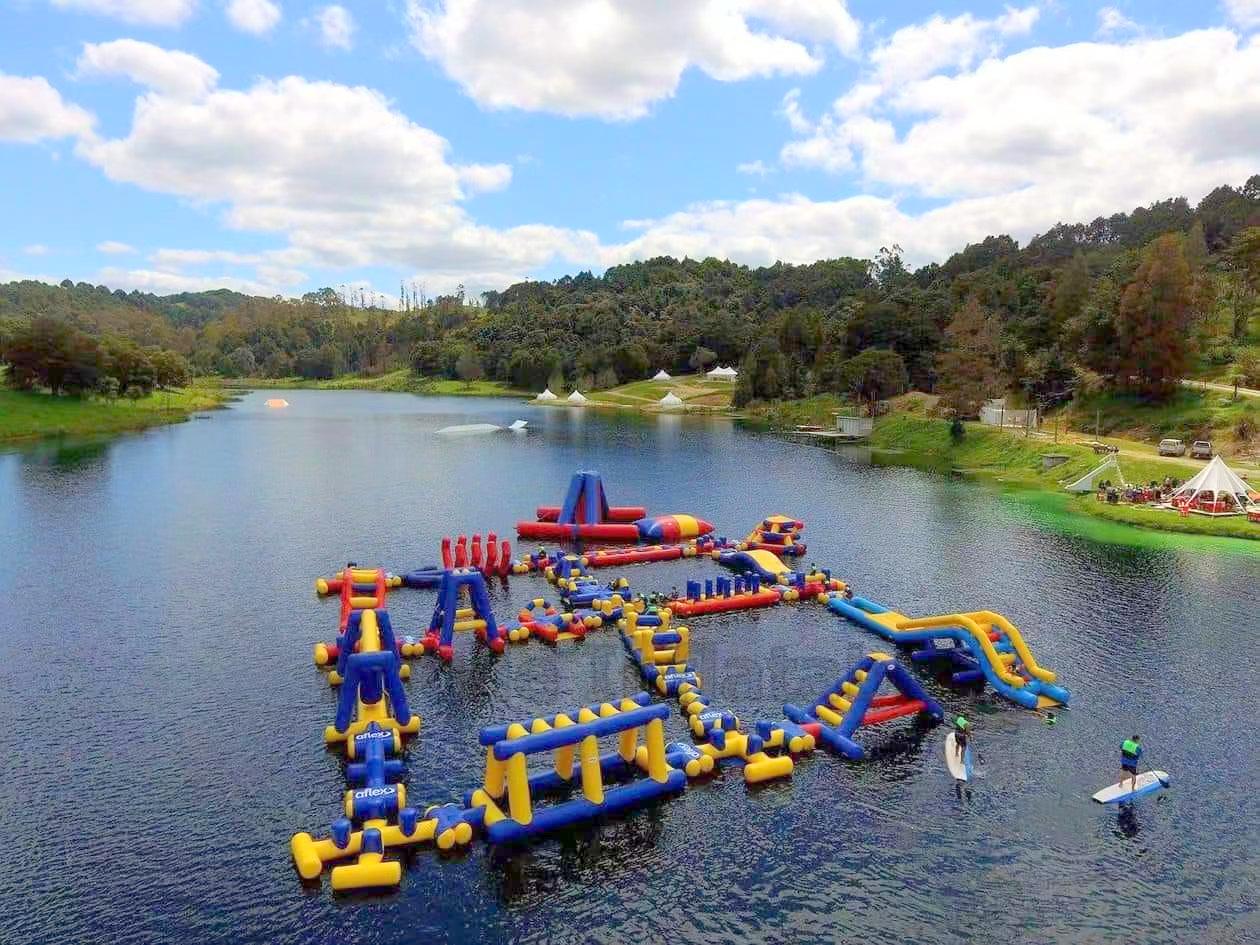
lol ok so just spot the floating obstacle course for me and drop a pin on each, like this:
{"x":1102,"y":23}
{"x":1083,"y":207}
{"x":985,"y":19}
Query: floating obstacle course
{"x":584,"y":780}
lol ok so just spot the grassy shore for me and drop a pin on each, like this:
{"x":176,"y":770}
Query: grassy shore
{"x":400,"y":382}
{"x":29,"y":415}
{"x":987,"y":453}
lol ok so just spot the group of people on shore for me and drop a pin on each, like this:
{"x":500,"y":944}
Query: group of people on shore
{"x":1154,"y":493}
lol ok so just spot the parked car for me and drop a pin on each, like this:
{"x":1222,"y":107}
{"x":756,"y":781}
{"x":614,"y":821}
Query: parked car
{"x":1171,"y":447}
{"x":1202,"y":449}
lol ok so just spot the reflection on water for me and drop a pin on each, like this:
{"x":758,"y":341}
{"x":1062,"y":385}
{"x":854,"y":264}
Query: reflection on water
{"x":158,"y":609}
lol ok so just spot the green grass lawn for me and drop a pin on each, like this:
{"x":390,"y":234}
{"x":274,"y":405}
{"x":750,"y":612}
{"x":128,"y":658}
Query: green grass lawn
{"x":401,"y":381}
{"x":30,"y":414}
{"x":1011,"y":458}
{"x":696,"y":391}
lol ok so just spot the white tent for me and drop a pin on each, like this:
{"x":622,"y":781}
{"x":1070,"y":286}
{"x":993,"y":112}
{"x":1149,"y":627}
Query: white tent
{"x":661,"y":375}
{"x":1225,"y":484}
{"x":1089,"y":482}
{"x":670,"y":401}
{"x":577,"y":398}
{"x":723,"y":373}
{"x":546,"y":395}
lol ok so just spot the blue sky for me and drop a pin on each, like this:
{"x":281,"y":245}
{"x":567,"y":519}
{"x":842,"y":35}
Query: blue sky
{"x":276,"y":146}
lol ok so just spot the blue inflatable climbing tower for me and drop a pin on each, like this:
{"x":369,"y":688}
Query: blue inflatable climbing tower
{"x":449,"y":617}
{"x":854,"y":701}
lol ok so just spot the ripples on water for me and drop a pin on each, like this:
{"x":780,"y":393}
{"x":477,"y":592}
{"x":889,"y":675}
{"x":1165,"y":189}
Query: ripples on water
{"x":162,"y":719}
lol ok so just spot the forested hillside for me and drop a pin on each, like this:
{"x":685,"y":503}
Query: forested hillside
{"x":1134,"y":300}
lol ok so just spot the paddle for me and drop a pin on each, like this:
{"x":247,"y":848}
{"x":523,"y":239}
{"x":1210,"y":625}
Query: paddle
{"x":1157,"y":777}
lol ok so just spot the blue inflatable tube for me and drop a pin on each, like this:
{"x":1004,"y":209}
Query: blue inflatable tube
{"x":579,"y":809}
{"x":424,"y":579}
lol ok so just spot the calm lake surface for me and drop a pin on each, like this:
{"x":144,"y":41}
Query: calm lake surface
{"x":162,"y":718}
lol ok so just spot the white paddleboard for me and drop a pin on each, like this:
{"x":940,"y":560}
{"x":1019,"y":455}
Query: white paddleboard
{"x":1148,"y":782}
{"x":960,"y":768}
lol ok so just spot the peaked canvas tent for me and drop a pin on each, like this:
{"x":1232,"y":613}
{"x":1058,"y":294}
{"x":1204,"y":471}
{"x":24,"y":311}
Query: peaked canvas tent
{"x":723,"y":373}
{"x":671,"y":401}
{"x":546,"y":395}
{"x":1108,"y":469}
{"x":661,"y":375}
{"x":1229,"y":493}
{"x":577,"y":398}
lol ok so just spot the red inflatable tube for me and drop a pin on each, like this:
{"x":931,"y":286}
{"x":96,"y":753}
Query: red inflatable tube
{"x":609,"y":559}
{"x":890,"y":712}
{"x":604,"y":532}
{"x":616,"y":513}
{"x":720,"y":605}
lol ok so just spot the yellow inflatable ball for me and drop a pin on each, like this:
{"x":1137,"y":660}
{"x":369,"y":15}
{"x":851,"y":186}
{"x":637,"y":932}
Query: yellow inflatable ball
{"x":321,"y":654}
{"x":404,"y":671}
{"x":321,"y":586}
{"x":822,"y":597}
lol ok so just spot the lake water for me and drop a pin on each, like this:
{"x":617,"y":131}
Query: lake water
{"x":161,"y":717}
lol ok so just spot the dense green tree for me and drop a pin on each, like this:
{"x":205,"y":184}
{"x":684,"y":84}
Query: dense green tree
{"x":1244,"y":262}
{"x":468,"y":366}
{"x":50,"y":353}
{"x":875,"y":374}
{"x":170,"y":369}
{"x":129,"y":365}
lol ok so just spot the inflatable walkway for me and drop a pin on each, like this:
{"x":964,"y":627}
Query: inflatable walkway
{"x":981,"y":644}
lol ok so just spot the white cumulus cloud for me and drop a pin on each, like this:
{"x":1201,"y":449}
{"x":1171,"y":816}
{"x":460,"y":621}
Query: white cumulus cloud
{"x":115,"y":248}
{"x":139,"y":12}
{"x":1042,"y":136}
{"x":1112,"y":21}
{"x":336,"y":26}
{"x":613,"y":58}
{"x":32,"y":110}
{"x":175,"y":73}
{"x":346,"y":179}
{"x":1246,"y":13}
{"x":938,"y":43}
{"x":254,"y":16}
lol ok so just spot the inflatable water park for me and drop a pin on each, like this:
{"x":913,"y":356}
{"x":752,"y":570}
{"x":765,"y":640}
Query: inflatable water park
{"x":569,"y":764}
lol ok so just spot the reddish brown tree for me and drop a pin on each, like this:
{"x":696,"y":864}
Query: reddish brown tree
{"x":1153,"y":325}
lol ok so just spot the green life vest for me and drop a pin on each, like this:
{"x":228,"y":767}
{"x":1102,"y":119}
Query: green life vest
{"x":1130,"y":748}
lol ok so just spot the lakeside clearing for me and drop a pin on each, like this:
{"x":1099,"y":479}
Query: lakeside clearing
{"x":31,"y":415}
{"x":699,"y":394}
{"x":1015,"y":461}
